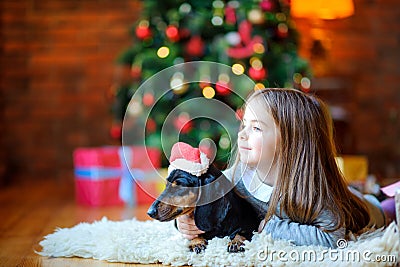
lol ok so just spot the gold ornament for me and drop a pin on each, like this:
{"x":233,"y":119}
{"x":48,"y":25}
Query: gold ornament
{"x":178,"y":84}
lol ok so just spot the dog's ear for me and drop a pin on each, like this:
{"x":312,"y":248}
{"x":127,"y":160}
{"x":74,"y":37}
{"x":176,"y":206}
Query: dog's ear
{"x":213,"y":201}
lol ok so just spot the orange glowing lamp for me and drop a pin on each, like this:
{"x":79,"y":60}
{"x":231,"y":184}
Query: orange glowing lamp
{"x":322,"y":9}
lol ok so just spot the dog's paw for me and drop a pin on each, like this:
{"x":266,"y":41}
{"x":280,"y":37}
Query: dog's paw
{"x":198,"y":248}
{"x":236,"y":244}
{"x":235,"y":247}
{"x":198,"y":245}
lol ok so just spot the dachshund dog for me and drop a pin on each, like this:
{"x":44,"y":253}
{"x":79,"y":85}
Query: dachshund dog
{"x":229,"y":215}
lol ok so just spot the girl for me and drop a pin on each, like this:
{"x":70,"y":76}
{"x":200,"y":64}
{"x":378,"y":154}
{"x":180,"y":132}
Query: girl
{"x":286,"y":169}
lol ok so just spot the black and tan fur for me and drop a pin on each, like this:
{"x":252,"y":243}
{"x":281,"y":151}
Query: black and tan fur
{"x":229,"y":215}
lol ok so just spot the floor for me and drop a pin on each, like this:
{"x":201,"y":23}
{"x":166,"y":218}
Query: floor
{"x":28,"y":212}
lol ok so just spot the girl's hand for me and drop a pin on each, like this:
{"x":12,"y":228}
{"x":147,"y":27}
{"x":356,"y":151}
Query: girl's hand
{"x":187,"y":227}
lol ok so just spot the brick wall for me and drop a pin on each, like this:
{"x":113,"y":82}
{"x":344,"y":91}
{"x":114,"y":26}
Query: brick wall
{"x":363,"y":56}
{"x":57,"y":65}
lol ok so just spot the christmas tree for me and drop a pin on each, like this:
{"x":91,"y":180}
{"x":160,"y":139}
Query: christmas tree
{"x":254,"y":38}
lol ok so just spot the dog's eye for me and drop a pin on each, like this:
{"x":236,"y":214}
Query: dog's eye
{"x":179,"y":182}
{"x":182,"y":182}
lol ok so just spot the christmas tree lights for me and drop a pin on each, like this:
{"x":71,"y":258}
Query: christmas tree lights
{"x":256,"y":38}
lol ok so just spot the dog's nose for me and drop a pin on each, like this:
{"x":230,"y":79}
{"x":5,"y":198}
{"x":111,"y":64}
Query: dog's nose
{"x":152,"y":211}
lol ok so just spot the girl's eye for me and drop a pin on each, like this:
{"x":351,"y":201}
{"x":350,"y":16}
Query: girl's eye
{"x":257,"y":129}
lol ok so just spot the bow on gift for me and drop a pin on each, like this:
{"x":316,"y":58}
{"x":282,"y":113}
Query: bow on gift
{"x":245,"y":50}
{"x":126,"y":189}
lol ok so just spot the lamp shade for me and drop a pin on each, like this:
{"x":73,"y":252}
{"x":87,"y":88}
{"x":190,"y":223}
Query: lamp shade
{"x":322,"y":9}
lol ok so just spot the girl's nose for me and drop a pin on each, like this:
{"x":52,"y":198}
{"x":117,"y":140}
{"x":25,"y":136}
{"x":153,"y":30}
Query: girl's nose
{"x":243,"y":134}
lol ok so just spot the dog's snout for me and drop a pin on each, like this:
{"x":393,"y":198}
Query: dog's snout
{"x":152,"y":211}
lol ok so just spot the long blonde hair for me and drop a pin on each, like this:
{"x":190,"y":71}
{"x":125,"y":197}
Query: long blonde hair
{"x":309,"y":181}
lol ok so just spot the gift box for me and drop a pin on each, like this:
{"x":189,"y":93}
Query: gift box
{"x":353,"y":167}
{"x":107,"y":176}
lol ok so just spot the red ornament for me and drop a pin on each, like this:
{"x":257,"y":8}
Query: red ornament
{"x":257,"y":74}
{"x":136,"y":72}
{"x":143,"y":32}
{"x":116,"y":131}
{"x":151,"y":126}
{"x":183,"y":124}
{"x":187,"y":127}
{"x":267,"y":5}
{"x":203,"y":84}
{"x":230,"y":15}
{"x":222,"y":88}
{"x":195,"y":46}
{"x":239,"y":114}
{"x":305,"y":90}
{"x":245,"y":29}
{"x":172,"y":33}
{"x":247,"y":48}
{"x":148,"y":99}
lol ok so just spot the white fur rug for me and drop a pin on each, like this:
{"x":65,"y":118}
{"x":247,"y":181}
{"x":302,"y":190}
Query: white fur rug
{"x":133,"y":241}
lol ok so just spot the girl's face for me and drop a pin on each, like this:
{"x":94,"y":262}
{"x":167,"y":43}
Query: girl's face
{"x":259,"y":137}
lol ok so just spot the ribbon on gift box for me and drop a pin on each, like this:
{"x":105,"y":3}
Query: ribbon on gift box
{"x":127,"y":190}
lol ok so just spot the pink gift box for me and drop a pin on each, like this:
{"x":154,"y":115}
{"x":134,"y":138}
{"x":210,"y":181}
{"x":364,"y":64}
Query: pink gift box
{"x":111,"y":175}
{"x":390,"y":190}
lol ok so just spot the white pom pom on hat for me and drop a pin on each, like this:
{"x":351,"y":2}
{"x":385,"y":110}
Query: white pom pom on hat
{"x":187,"y":158}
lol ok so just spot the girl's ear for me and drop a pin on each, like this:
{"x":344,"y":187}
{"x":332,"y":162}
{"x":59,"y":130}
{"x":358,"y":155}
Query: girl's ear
{"x":213,"y":201}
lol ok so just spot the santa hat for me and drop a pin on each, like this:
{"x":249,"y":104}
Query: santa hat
{"x":187,"y":158}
